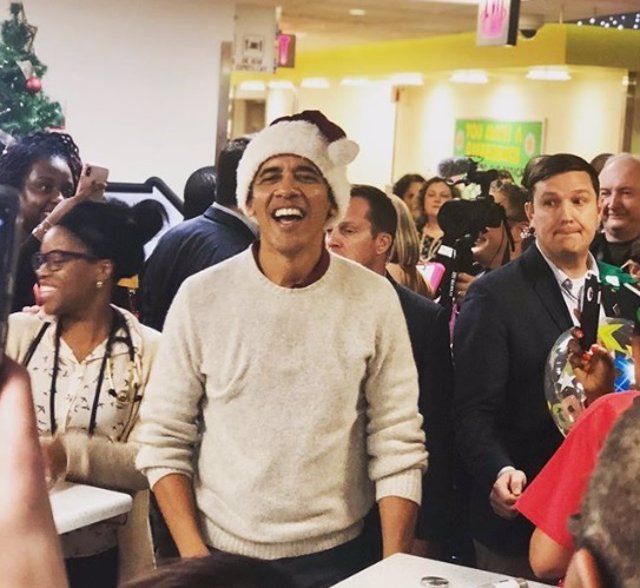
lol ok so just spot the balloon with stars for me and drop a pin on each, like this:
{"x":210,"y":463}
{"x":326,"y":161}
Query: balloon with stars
{"x":565,"y":395}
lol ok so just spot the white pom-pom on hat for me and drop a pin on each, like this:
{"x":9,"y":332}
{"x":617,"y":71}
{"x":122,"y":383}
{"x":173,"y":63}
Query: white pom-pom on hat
{"x":343,"y":151}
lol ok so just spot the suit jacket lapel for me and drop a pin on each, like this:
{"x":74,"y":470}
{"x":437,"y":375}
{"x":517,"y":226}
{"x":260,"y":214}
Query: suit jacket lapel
{"x":544,"y":284}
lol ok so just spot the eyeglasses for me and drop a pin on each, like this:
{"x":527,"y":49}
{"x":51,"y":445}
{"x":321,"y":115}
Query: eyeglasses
{"x":54,"y":260}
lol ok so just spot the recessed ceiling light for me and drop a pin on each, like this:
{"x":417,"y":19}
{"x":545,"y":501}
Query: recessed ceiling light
{"x":281,"y":85}
{"x":407,"y":79}
{"x":355,"y":81}
{"x":321,"y":83}
{"x":550,"y":74}
{"x":357,"y":12}
{"x":469,"y":76}
{"x":252,"y":86}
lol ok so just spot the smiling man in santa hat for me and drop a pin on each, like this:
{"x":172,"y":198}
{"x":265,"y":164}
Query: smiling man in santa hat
{"x":284,"y":403}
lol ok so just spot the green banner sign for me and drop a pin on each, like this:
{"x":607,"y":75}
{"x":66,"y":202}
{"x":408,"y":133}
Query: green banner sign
{"x":499,"y":144}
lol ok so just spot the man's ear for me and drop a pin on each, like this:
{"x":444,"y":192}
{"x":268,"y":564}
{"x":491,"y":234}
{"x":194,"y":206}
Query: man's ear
{"x":383,"y":243}
{"x":583,"y":571}
{"x":249,"y":204}
{"x":528,"y":209}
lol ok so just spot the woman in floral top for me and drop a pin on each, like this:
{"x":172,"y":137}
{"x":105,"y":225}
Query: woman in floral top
{"x":89,"y":362}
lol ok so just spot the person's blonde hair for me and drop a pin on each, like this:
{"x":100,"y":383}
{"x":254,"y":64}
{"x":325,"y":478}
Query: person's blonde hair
{"x":405,"y":251}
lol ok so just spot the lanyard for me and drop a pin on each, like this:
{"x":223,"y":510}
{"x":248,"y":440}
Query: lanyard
{"x":105,"y":366}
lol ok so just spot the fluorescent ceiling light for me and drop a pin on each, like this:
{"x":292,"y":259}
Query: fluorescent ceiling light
{"x":281,"y":85}
{"x":355,"y":81}
{"x":322,"y":83}
{"x":550,"y":74}
{"x":252,"y":86}
{"x":469,"y":76}
{"x":407,"y":79}
{"x":357,"y":12}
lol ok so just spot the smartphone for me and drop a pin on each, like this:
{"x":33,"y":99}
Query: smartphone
{"x":93,"y":174}
{"x":590,"y":311}
{"x":9,"y":235}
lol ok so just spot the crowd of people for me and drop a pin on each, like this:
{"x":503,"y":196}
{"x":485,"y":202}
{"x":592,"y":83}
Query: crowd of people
{"x":291,"y":402}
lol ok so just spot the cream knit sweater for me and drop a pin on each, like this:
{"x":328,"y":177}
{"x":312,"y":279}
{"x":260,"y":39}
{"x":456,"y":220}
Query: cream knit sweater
{"x":291,"y":408}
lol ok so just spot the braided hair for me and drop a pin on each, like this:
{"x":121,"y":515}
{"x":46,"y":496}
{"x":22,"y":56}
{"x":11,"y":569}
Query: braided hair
{"x":18,"y":158}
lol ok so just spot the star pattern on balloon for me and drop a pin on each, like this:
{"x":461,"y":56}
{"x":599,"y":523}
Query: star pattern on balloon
{"x":564,"y":394}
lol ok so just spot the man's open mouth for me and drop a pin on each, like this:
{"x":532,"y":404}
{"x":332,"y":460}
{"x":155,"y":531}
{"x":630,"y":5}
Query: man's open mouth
{"x":289,"y":214}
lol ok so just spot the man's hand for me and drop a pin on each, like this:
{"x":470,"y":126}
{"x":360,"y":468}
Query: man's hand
{"x":506,"y":491}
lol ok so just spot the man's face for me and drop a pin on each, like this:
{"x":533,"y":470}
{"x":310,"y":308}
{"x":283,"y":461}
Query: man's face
{"x":353,"y":237}
{"x":620,"y":200}
{"x":564,"y":214}
{"x":290,"y":201}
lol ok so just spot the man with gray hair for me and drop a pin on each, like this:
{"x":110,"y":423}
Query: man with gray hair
{"x":620,"y":201}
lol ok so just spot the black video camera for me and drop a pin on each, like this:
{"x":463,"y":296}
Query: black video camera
{"x":462,"y":221}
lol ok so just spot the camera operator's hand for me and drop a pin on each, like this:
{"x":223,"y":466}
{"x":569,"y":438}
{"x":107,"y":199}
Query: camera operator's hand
{"x":463,"y":281}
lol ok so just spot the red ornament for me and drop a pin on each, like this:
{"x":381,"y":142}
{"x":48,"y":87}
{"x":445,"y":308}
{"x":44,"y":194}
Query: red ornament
{"x":34,"y":85}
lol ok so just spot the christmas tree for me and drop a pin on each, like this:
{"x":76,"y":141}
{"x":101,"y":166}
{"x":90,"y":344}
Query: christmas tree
{"x":24,"y":108}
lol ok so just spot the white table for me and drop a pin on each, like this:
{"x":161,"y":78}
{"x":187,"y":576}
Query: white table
{"x":77,"y":505}
{"x":406,"y":571}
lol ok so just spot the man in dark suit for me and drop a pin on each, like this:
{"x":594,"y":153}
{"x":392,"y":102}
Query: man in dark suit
{"x":365,"y":235}
{"x":508,"y":324}
{"x":219,"y":233}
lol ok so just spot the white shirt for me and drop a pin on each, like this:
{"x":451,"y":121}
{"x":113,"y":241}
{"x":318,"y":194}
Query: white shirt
{"x":572,"y":288}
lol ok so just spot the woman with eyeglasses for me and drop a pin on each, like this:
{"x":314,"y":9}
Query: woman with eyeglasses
{"x":45,"y":169}
{"x":89,"y":363}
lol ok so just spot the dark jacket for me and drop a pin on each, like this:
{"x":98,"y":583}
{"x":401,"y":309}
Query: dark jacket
{"x":508,"y":324}
{"x":428,"y":327}
{"x":182,"y":251}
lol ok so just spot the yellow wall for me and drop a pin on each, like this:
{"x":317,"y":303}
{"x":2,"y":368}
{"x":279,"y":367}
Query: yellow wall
{"x":583,"y":116}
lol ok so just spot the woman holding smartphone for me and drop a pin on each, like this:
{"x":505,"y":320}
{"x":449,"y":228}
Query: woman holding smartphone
{"x":45,"y":168}
{"x":89,"y":363}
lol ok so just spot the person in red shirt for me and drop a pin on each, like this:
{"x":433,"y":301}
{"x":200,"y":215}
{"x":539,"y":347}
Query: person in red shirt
{"x":556,"y":493}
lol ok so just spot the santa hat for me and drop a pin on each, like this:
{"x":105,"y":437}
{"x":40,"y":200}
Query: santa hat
{"x":309,"y":134}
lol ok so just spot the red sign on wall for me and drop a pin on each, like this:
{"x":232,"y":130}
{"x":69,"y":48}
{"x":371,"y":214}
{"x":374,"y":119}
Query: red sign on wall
{"x":497,"y":22}
{"x":286,"y":50}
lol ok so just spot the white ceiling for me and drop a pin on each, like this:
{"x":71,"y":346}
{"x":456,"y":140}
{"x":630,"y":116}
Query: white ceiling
{"x":326,"y":23}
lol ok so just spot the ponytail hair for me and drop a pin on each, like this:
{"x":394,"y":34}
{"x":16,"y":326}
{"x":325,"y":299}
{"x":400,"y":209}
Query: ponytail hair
{"x":113,"y":230}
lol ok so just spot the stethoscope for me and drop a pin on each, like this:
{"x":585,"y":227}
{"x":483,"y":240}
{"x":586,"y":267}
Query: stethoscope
{"x":106,"y":370}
